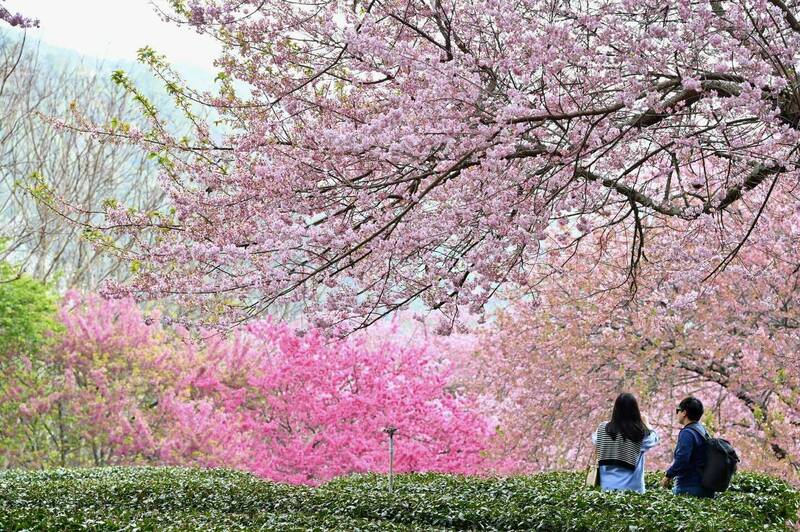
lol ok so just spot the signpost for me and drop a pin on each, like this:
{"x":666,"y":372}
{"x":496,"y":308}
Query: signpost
{"x":390,"y":431}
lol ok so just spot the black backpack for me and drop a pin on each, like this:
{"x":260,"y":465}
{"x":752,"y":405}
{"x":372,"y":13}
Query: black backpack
{"x":721,"y":463}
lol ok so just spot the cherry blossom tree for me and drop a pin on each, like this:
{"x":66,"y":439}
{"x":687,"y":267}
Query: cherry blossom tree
{"x":553,"y":364}
{"x":388,"y":152}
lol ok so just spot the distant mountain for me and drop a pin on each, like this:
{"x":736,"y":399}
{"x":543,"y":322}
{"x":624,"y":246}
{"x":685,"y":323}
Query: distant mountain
{"x":198,"y":78}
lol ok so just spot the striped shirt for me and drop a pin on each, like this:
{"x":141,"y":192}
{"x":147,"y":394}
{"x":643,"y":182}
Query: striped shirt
{"x":620,"y":451}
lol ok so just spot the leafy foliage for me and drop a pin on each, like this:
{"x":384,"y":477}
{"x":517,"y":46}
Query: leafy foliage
{"x":27,"y":323}
{"x":180,"y":499}
{"x":27,"y":311}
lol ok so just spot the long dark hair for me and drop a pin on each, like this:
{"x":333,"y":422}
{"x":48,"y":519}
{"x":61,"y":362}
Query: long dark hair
{"x":626,"y":419}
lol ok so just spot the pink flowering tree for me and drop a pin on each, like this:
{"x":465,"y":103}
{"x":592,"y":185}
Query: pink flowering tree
{"x":90,"y":399}
{"x":118,"y":388}
{"x":304,"y":409}
{"x":389,"y":152}
{"x":553,"y":364}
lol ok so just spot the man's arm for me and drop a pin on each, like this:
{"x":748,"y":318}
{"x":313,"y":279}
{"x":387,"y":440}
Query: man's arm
{"x":683,"y":452}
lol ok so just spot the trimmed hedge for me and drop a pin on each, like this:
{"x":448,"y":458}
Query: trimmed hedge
{"x":190,"y":499}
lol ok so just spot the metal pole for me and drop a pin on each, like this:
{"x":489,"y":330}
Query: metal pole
{"x":391,"y":462}
{"x":390,"y":431}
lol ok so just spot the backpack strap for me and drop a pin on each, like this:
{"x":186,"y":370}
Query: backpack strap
{"x":706,"y":436}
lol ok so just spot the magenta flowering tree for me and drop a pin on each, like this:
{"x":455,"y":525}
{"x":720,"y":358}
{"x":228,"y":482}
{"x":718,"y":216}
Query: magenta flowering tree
{"x":305,"y":409}
{"x":387,"y":152}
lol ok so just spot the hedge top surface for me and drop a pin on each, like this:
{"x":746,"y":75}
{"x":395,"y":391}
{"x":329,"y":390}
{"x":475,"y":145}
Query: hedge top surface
{"x":187,"y":499}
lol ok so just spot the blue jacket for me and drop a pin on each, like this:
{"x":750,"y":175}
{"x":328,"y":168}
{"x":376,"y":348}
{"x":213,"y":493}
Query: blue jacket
{"x":690,"y":456}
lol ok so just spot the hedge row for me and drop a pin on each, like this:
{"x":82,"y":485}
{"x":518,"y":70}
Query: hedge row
{"x":189,"y":499}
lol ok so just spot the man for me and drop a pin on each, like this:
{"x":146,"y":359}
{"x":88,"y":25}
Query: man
{"x":690,"y":453}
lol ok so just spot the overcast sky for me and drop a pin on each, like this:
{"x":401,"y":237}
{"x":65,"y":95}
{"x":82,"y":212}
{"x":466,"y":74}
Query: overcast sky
{"x":115,"y":29}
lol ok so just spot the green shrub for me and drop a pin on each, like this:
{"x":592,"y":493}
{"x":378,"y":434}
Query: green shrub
{"x":188,"y":499}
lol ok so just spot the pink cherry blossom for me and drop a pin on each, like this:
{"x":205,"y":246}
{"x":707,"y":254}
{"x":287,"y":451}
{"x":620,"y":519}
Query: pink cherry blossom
{"x":390,"y":153}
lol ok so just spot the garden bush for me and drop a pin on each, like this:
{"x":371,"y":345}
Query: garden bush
{"x":190,"y":499}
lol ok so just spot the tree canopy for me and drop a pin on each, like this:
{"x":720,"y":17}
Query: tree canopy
{"x":27,"y":311}
{"x":386,"y":151}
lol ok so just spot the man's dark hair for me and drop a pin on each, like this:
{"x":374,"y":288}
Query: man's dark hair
{"x":693,"y":408}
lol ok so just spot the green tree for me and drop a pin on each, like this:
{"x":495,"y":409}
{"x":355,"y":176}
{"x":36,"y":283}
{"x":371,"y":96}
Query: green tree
{"x":27,"y":312}
{"x":28,"y":324}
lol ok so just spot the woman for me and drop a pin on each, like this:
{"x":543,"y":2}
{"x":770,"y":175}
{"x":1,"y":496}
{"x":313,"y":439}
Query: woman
{"x":621,"y":444}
